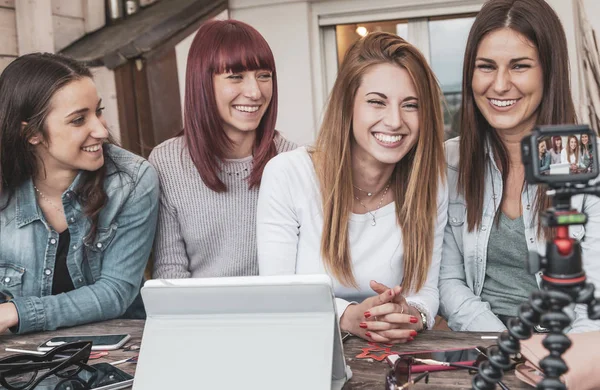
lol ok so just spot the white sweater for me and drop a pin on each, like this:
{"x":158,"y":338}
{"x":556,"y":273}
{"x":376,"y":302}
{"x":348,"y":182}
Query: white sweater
{"x":290,"y":225}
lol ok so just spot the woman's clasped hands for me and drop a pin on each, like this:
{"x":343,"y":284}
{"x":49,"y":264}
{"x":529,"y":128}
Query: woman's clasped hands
{"x":384,"y":318}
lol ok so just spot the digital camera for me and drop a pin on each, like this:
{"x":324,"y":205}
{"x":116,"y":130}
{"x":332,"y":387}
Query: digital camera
{"x":560,"y":156}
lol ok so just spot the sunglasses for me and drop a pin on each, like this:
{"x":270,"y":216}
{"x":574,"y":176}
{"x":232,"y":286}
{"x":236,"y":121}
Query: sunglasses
{"x":399,"y":378}
{"x":65,"y":362}
{"x":401,"y":373}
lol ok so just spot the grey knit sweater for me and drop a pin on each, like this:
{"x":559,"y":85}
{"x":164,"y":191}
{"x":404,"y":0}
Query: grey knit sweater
{"x":202,"y":233}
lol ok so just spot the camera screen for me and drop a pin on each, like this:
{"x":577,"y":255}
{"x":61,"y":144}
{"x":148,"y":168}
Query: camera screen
{"x":571,"y":154}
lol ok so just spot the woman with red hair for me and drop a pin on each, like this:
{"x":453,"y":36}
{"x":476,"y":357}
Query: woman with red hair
{"x":211,"y":172}
{"x":556,"y":150}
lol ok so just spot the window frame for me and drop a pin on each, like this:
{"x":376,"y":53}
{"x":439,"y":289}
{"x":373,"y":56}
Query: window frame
{"x":326,"y":15}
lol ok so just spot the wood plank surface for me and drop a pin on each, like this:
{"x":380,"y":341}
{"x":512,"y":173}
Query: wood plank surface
{"x":67,"y":30}
{"x":34,"y":26}
{"x":71,"y":8}
{"x":94,"y":15}
{"x":4,"y":61}
{"x":367,"y":373}
{"x":8,"y":32}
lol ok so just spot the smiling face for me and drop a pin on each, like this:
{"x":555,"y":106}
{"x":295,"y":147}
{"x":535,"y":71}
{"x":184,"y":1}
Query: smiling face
{"x":584,"y":139}
{"x":242,"y":99}
{"x":507,"y":81}
{"x":558,"y":143}
{"x":573,"y":143}
{"x":75,"y":129}
{"x":385,"y":120}
{"x":542,"y":147}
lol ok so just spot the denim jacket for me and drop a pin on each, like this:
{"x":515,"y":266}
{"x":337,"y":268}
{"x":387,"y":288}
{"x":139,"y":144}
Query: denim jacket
{"x":462,"y":271}
{"x":106,"y":273}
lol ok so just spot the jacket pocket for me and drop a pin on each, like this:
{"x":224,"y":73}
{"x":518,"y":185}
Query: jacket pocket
{"x":456,"y":220}
{"x":95,"y":250}
{"x":11,"y":281}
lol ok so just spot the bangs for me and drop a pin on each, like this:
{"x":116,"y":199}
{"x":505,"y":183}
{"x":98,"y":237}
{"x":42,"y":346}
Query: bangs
{"x":240,"y":51}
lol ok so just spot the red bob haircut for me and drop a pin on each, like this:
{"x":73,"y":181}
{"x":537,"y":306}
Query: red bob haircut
{"x":222,"y":46}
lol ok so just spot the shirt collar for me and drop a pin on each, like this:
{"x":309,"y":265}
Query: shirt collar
{"x":27,"y":209}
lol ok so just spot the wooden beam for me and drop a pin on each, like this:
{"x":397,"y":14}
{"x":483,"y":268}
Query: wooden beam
{"x":145,"y":131}
{"x":149,"y":102}
{"x":127,"y":107}
{"x":165,"y":102}
{"x":35,"y":31}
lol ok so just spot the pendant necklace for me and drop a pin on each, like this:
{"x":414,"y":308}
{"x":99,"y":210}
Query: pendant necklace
{"x":372,"y":213}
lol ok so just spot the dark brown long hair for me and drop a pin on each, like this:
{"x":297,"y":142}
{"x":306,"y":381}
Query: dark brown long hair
{"x":535,"y":20}
{"x":416,"y":178}
{"x":224,"y":46}
{"x":26,"y":88}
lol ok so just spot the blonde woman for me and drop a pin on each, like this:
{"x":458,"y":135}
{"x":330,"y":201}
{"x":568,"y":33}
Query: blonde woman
{"x":571,"y":153}
{"x":368,"y":204}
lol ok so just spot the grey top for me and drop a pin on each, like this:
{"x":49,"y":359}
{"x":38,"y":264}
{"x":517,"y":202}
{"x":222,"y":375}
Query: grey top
{"x":554,"y":156}
{"x":507,"y":283}
{"x":203,"y":233}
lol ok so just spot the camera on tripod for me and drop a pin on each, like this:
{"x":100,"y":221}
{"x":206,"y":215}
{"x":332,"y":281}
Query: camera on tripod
{"x":565,"y":158}
{"x":575,"y":147}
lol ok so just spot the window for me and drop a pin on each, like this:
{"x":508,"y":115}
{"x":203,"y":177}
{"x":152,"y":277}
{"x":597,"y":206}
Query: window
{"x":447,"y":42}
{"x":347,"y":34}
{"x":441,"y":39}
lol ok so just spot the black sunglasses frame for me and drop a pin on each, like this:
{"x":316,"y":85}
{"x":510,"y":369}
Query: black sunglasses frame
{"x":56,"y":361}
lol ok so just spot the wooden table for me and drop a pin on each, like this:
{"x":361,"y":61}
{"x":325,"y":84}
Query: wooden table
{"x":367,"y":373}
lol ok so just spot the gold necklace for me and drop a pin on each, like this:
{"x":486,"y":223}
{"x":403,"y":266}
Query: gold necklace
{"x":374,"y":222}
{"x":48,"y":200}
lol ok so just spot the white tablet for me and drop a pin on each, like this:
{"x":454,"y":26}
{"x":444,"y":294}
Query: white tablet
{"x":560,"y":169}
{"x":259,"y":332}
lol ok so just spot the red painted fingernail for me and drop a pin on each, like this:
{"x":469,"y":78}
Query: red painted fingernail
{"x":363,"y":325}
{"x":410,"y":339}
{"x":413,"y":333}
{"x":367,"y":314}
{"x":368,"y":334}
{"x":413,"y":320}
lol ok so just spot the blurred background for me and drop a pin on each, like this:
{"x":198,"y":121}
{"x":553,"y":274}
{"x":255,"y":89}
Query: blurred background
{"x":138,"y":50}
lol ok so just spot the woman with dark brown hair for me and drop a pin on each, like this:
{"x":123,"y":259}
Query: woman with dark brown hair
{"x":516,"y":76}
{"x":585,"y":151}
{"x":77,"y":213}
{"x":210,"y":174}
{"x":367,"y":204}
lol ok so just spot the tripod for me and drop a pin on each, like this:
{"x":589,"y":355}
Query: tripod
{"x":563,"y":282}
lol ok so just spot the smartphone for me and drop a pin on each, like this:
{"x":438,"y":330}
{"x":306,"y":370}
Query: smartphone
{"x":462,"y":356}
{"x":108,"y":377}
{"x":103,"y":342}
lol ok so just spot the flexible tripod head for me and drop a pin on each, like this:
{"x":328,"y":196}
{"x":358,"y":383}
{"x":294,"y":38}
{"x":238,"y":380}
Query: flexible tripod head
{"x":563,"y":279}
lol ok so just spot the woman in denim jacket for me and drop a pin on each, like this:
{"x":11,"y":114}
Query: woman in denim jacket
{"x":77,"y":214}
{"x":516,"y":76}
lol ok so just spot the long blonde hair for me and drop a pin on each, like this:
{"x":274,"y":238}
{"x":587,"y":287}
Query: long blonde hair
{"x":415,"y":179}
{"x":572,"y":152}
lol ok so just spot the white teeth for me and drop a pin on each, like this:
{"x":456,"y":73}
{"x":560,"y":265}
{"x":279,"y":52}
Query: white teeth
{"x":388,"y":139}
{"x":247,"y":108}
{"x":502,"y":103}
{"x":93,"y":148}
